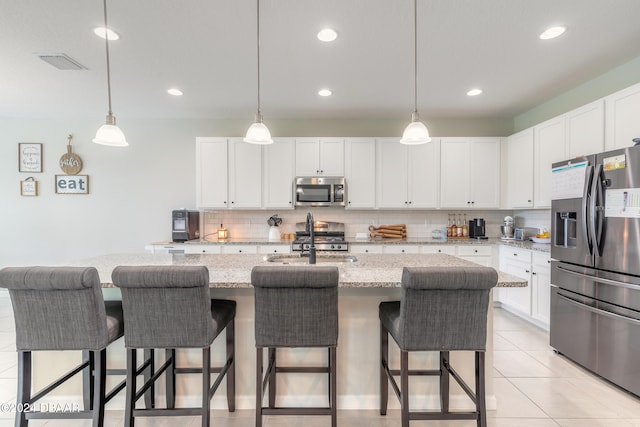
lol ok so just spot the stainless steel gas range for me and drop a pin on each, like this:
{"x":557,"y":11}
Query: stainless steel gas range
{"x":329,"y":236}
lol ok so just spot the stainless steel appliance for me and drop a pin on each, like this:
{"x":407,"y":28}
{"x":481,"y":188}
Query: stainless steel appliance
{"x":329,"y":236}
{"x":477,"y":229}
{"x":185,"y":225}
{"x":319,"y":191}
{"x":524,"y":233}
{"x":595,"y":275}
{"x":507,"y":228}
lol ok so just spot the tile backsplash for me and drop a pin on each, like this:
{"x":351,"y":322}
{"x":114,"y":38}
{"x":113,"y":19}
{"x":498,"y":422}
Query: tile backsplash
{"x":243,"y":224}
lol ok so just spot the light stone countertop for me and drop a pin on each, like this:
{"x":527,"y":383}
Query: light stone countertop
{"x":540,"y":247}
{"x":234,"y":270}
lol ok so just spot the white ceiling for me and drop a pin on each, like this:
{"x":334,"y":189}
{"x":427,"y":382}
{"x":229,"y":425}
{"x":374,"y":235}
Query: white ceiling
{"x":207,"y":49}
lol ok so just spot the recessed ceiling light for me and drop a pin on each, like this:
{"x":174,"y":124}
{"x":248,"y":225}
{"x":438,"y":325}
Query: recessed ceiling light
{"x":474,"y":92}
{"x":100,"y":32}
{"x":553,"y":32}
{"x":327,"y":35}
{"x":324,"y":92}
{"x":175,"y":92}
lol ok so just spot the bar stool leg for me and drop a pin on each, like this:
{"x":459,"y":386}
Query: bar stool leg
{"x":404,"y":387}
{"x":444,"y":382}
{"x":170,"y":354}
{"x":272,"y":377}
{"x":130,"y":404}
{"x":87,"y":380}
{"x":259,"y":368}
{"x":384,"y":361}
{"x":231,"y":373}
{"x":24,"y":385}
{"x":99,"y":380}
{"x":150,"y":394}
{"x":333,"y":382}
{"x":481,"y":405}
{"x":206,"y":385}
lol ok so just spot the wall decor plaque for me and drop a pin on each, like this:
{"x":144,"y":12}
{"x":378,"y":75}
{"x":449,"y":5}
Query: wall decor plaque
{"x":70,"y":163}
{"x":72,"y":184}
{"x":29,"y":187}
{"x":29,"y":157}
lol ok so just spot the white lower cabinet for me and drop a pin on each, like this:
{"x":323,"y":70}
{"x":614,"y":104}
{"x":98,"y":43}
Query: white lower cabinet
{"x":438,"y":249}
{"x":240,"y":249}
{"x":531,"y":302}
{"x":170,"y":248}
{"x":202,"y":249}
{"x":274,"y":249}
{"x":480,"y":254}
{"x":365,"y":249}
{"x":541,"y":287}
{"x":401,"y":249}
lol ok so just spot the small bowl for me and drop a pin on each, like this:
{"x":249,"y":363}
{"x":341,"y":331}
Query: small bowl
{"x":539,"y":240}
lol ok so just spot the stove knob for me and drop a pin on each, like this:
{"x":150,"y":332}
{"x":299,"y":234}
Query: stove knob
{"x":333,"y":247}
{"x":339,"y":246}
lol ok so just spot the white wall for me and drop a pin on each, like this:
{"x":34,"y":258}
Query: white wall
{"x":131,"y":191}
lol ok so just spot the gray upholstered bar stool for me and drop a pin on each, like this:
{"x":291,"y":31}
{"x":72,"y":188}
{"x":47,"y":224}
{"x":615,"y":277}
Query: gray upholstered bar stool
{"x":56,"y":309}
{"x":170,"y":307}
{"x":294,"y":307}
{"x":440,"y":310}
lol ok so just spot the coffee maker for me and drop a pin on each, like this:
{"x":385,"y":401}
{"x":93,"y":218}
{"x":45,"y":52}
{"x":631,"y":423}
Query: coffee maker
{"x":185,"y":225}
{"x":476,"y":229}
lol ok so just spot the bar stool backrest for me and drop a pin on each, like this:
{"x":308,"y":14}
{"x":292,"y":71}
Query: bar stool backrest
{"x":445,"y":309}
{"x":165,"y":306}
{"x":296,"y":306}
{"x":56,"y":308}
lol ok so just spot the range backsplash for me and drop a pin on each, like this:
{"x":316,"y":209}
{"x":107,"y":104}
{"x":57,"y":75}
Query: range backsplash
{"x":243,"y":224}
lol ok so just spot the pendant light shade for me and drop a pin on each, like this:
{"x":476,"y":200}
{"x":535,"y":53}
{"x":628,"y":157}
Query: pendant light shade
{"x":258,"y":132}
{"x":416,"y":132}
{"x":109,"y":133}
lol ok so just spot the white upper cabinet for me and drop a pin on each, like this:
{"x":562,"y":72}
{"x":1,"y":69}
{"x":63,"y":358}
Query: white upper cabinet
{"x":470,"y":173}
{"x":279,"y":159}
{"x":622,"y":112}
{"x":549,"y":147}
{"x":407,"y":176}
{"x":360,"y":172}
{"x":520,"y":169}
{"x":211,"y":172}
{"x":585,"y":130}
{"x":319,"y":156}
{"x":245,"y":175}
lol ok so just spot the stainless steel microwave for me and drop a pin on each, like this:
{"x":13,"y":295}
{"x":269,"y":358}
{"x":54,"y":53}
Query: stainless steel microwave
{"x":320,"y":191}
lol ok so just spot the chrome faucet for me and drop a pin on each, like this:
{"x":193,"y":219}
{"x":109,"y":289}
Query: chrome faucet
{"x":312,"y":235}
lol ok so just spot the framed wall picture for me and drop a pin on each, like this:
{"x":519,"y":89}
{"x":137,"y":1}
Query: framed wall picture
{"x":29,"y":157}
{"x":72,"y":184}
{"x":29,"y":187}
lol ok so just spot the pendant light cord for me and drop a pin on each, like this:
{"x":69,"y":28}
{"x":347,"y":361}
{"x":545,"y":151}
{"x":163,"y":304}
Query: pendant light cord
{"x":106,"y":41}
{"x":415,"y":56}
{"x":258,"y":50}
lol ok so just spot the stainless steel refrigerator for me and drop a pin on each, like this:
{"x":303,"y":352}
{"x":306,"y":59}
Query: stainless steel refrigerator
{"x":595,"y":275}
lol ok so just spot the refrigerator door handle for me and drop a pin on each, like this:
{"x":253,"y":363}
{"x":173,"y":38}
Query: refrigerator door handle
{"x":586,"y":231}
{"x":599,"y":279}
{"x":598,"y":311}
{"x":596,"y":209}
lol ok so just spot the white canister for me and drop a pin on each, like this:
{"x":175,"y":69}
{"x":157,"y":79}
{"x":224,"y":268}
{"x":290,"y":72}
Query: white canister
{"x":274,"y":234}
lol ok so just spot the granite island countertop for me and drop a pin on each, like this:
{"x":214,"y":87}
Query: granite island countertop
{"x":234,"y":270}
{"x":523,"y":244}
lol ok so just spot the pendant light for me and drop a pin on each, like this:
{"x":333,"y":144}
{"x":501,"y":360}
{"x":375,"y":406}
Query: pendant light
{"x":258,"y":132}
{"x":416,"y":132}
{"x":109,"y":133}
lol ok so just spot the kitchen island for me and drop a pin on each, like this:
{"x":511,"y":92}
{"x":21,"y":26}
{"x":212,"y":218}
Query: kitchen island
{"x":363,"y":285}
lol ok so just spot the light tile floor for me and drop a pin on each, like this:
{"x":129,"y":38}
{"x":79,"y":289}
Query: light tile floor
{"x":534,"y":387}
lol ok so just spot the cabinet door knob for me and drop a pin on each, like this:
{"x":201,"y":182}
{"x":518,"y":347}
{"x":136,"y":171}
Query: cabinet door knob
{"x":240,"y":250}
{"x":289,"y":201}
{"x":232,"y":202}
{"x":225,"y":202}
{"x":475,"y":250}
{"x":528,"y":201}
{"x":410,"y":202}
{"x":403,"y":251}
{"x":527,"y":271}
{"x":366,"y":250}
{"x":515,"y":254}
{"x":533,"y":273}
{"x":439,"y":250}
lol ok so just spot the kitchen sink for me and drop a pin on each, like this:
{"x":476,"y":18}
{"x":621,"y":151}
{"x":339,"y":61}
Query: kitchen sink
{"x":320,"y":259}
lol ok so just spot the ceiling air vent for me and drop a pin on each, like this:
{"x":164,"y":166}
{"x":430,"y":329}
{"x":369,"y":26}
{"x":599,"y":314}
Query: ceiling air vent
{"x":61,"y":61}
